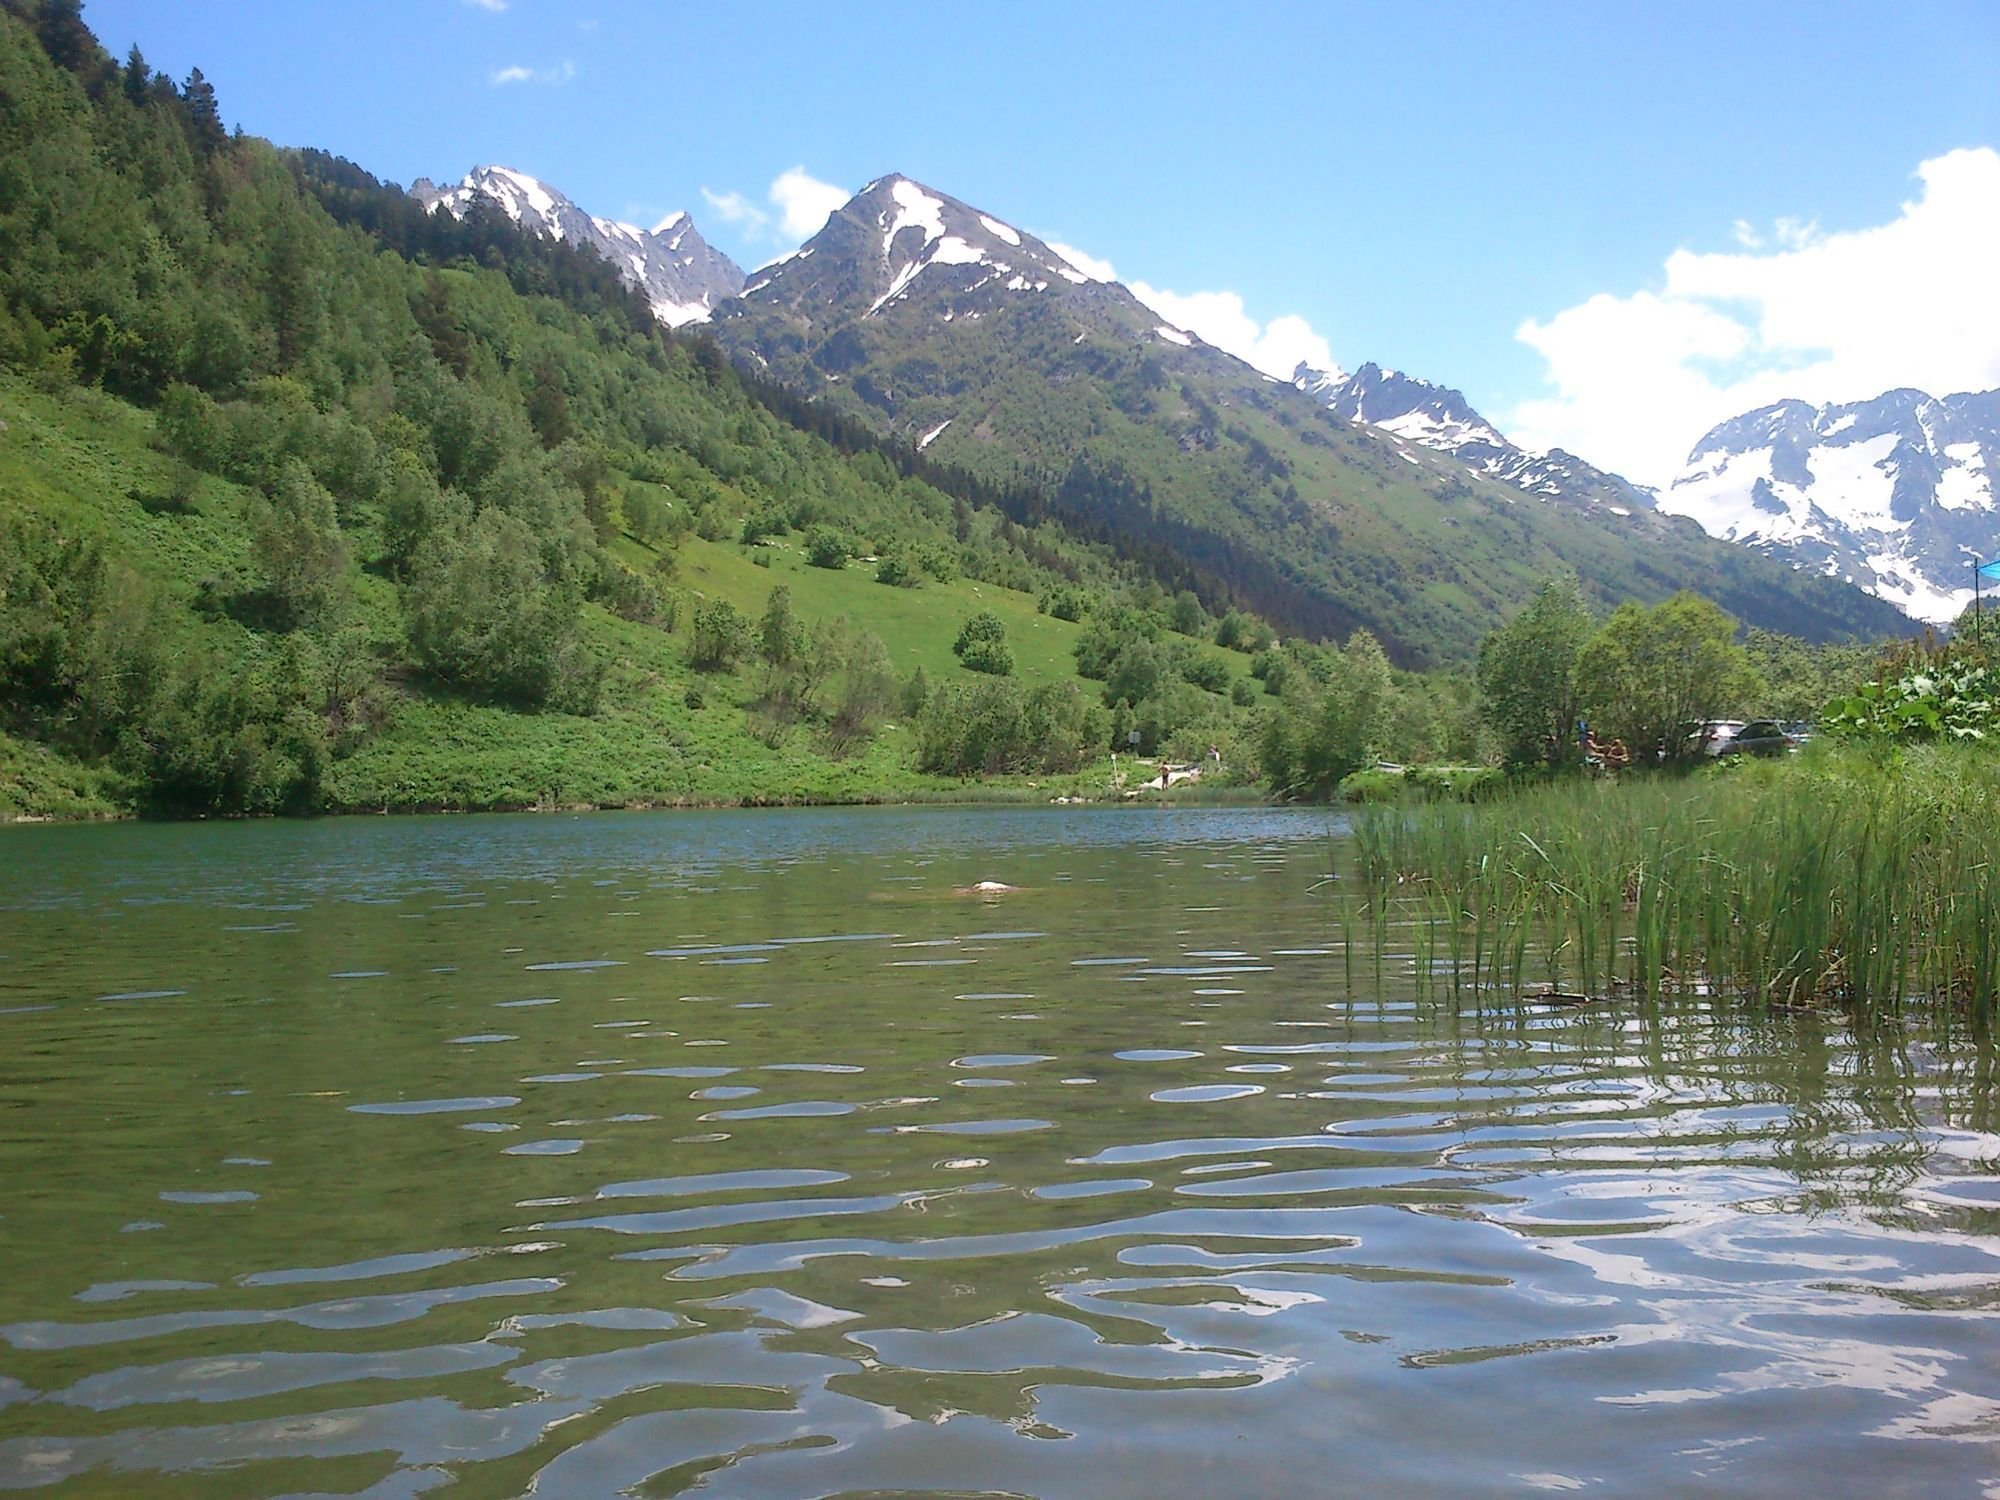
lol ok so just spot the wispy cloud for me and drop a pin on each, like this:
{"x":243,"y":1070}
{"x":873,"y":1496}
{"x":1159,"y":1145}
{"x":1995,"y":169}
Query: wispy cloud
{"x":551,"y":77}
{"x":493,"y":6}
{"x":796,"y":207}
{"x":733,"y":208}
{"x":1276,"y":347}
{"x":1793,"y":313}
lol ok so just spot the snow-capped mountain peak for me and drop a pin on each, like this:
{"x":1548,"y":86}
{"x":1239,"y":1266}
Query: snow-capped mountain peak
{"x":679,"y":273}
{"x":898,"y":245}
{"x":1439,"y":418}
{"x":1894,"y":494}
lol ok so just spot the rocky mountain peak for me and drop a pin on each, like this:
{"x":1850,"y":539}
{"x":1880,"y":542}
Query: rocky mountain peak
{"x":1441,"y":419}
{"x":681,"y":275}
{"x":1893,"y":493}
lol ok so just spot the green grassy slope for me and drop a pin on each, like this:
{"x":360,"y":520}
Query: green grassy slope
{"x":89,"y":463}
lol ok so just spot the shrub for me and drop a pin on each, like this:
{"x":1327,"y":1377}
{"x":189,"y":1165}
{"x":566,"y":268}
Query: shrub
{"x":992,"y":728}
{"x":768,"y":521}
{"x":896,"y":570}
{"x":721,"y":636}
{"x":1208,"y":672}
{"x":482,"y":613}
{"x":982,"y":645}
{"x":1065,"y":602}
{"x":296,"y":539}
{"x":826,"y":548}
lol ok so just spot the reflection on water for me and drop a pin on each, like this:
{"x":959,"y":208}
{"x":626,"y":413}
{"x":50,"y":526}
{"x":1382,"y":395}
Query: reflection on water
{"x":745,"y":1153}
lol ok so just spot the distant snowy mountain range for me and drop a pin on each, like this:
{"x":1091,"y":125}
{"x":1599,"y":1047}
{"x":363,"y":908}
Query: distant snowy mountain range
{"x":679,"y":272}
{"x":1893,"y":494}
{"x":1439,"y":418}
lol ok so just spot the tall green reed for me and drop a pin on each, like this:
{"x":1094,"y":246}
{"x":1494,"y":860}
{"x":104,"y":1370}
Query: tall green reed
{"x":1859,"y":877}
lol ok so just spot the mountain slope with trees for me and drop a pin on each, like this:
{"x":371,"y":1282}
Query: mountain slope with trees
{"x":317,"y":500}
{"x":923,"y":316}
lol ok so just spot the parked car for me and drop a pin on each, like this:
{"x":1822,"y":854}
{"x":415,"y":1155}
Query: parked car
{"x":1759,"y":737}
{"x":1708,"y":738}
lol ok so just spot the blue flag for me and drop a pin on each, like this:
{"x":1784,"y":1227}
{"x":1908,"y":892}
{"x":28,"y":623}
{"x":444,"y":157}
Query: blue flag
{"x":1990,"y":571}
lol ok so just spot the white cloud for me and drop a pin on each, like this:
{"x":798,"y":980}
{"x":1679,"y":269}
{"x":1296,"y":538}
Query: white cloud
{"x":1276,"y":347}
{"x":494,"y":6}
{"x":554,"y":77}
{"x":799,"y":207}
{"x":1794,"y":313}
{"x":733,"y":208}
{"x":804,"y":203}
{"x":1090,"y":265}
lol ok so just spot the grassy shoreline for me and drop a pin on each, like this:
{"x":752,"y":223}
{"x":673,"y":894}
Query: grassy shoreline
{"x":1865,"y":877}
{"x":38,"y":786}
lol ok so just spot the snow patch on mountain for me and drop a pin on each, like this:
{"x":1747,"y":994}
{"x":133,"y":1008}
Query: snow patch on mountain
{"x":1894,"y":494}
{"x":677,"y":271}
{"x":913,"y":206}
{"x":1442,"y":420}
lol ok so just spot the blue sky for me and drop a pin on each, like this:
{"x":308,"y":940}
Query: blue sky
{"x":1422,"y":186}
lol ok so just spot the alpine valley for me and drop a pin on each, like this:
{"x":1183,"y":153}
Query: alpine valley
{"x":326,"y":495}
{"x":1374,"y":500}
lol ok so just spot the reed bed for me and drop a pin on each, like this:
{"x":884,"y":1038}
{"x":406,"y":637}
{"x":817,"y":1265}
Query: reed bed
{"x":1867,"y":878}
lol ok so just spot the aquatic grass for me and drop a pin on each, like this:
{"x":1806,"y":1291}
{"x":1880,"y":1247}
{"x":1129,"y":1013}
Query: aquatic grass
{"x":1845,"y":875}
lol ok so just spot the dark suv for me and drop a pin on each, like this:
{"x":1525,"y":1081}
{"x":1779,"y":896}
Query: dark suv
{"x":1760,"y":737}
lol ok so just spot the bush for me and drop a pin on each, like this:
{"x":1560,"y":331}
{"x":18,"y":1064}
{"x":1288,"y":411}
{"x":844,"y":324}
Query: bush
{"x":994,"y":658}
{"x":629,"y":595}
{"x":826,"y":548}
{"x":993,"y":728}
{"x":768,"y":521}
{"x":721,"y":637}
{"x":296,"y":539}
{"x":1208,"y":672}
{"x":1065,"y":602}
{"x":1110,"y":631}
{"x":896,"y":570}
{"x":868,"y":693}
{"x":982,"y":645}
{"x":481,"y":613}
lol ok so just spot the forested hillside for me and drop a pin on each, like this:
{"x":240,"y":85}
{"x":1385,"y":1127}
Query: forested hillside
{"x":314,"y":500}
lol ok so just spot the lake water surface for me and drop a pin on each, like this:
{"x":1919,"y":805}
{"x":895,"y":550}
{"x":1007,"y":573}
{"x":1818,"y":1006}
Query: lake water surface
{"x":743,"y":1154}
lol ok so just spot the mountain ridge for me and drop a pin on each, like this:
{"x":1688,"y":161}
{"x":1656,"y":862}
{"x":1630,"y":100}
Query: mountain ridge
{"x":1893,"y":493}
{"x":935,"y":321}
{"x":681,"y":275}
{"x":1441,"y":419}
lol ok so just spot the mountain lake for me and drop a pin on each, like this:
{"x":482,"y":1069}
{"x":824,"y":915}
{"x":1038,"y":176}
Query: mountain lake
{"x":770,"y":1154}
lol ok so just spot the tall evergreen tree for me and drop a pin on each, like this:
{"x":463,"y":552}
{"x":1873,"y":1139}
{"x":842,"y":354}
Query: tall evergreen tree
{"x":204,"y":115}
